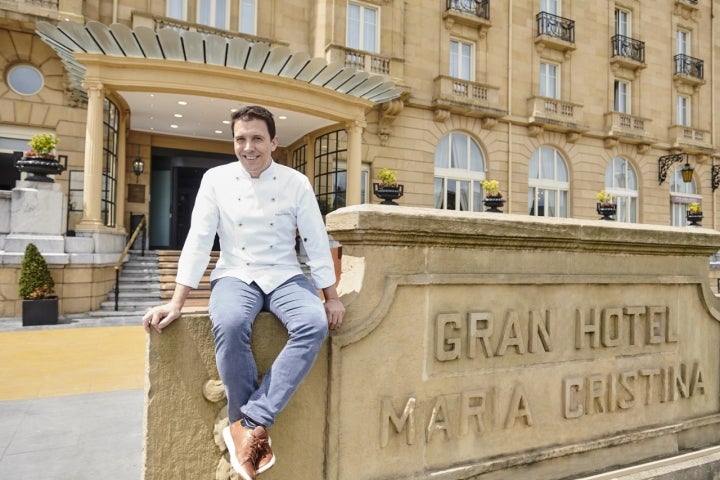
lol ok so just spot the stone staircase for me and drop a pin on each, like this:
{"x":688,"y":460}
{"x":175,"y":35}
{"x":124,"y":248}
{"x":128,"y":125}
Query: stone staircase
{"x":167,"y":269}
{"x":147,"y":281}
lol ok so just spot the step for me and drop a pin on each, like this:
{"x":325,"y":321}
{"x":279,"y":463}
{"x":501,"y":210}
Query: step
{"x":130,"y":306}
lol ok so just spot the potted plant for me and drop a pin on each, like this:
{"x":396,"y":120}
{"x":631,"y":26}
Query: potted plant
{"x":493,"y":198}
{"x":605,"y":205}
{"x":387,"y":188}
{"x":694,"y":214}
{"x":40,"y":160}
{"x":37,"y":289}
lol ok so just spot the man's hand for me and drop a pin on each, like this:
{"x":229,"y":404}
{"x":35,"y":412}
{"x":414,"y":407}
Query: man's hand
{"x":335,"y":310}
{"x":160,"y":317}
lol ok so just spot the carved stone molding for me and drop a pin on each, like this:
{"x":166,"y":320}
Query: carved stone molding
{"x":535,"y":130}
{"x":572,"y":137}
{"x":610,"y":142}
{"x":488,"y":123}
{"x":440,"y":115}
{"x":643,"y":148}
{"x":388,"y":113}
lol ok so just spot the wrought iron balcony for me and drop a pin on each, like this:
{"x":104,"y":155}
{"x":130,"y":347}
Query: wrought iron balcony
{"x":687,"y":65}
{"x":556,"y":27}
{"x":478,"y":8}
{"x":629,"y":48}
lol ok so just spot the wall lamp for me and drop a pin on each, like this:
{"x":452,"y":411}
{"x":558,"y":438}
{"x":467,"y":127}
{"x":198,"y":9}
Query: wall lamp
{"x":666,"y":161}
{"x":715,"y":177}
{"x":138,"y":167}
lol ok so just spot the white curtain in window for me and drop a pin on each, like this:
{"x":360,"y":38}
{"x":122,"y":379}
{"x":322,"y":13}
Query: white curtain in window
{"x":247,"y":17}
{"x":176,"y":9}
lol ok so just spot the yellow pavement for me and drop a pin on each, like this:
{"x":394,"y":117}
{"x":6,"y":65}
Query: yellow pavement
{"x":71,"y":361}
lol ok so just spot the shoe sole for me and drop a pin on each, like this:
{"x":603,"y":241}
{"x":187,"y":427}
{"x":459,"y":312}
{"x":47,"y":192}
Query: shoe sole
{"x":233,"y":458}
{"x":270,"y":463}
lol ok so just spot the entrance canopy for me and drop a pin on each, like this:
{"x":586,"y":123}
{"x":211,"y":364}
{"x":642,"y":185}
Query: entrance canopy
{"x":69,"y":39}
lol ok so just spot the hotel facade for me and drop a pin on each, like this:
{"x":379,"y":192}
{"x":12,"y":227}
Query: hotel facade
{"x":557,"y":100}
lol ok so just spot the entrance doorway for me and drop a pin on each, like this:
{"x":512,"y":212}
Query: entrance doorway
{"x":174,"y":182}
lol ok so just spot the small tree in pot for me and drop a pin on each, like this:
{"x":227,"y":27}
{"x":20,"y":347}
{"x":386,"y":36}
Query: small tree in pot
{"x":37,"y":289}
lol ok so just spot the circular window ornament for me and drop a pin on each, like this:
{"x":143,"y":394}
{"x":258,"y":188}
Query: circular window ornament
{"x":25,"y":79}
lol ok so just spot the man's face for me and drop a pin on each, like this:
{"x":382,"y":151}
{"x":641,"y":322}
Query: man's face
{"x":253,"y":146}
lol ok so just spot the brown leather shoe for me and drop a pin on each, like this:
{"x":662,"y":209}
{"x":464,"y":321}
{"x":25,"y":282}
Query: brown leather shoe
{"x":245,"y":446}
{"x":266,"y":459}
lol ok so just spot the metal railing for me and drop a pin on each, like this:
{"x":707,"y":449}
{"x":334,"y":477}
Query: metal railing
{"x":556,"y":27}
{"x":687,"y":65}
{"x":479,"y":8}
{"x":118,"y":265}
{"x":627,"y":47}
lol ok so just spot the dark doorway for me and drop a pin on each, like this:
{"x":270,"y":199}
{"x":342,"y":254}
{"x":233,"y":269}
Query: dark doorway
{"x":175,"y":180}
{"x":8,"y":173}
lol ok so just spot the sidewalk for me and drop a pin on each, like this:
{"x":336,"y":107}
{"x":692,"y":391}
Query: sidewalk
{"x":71,"y":399}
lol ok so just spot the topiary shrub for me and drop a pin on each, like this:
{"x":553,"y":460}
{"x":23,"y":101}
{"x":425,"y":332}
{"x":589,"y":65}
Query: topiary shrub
{"x":35,"y":279}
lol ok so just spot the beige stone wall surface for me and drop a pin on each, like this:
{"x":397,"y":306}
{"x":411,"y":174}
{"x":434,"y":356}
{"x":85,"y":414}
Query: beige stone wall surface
{"x":475,"y":346}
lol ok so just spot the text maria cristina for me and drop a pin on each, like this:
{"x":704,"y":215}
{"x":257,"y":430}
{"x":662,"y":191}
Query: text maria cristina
{"x":568,"y":341}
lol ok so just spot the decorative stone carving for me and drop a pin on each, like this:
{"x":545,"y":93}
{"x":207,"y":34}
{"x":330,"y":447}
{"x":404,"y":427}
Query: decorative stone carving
{"x":388,"y":112}
{"x":535,"y":130}
{"x":440,"y":115}
{"x":610,"y":142}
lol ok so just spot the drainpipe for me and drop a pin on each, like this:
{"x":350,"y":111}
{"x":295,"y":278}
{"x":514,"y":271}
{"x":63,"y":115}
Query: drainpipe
{"x":712,"y":102}
{"x":509,"y":108}
{"x":115,"y":11}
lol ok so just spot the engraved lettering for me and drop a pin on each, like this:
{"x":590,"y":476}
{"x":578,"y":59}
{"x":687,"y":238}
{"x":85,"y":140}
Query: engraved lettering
{"x":406,"y":419}
{"x":447,"y":346}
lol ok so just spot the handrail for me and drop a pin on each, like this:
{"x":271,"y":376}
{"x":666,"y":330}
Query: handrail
{"x":118,"y":264}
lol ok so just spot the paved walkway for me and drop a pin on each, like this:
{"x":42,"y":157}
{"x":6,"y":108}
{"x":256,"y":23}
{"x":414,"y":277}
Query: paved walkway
{"x":71,"y":399}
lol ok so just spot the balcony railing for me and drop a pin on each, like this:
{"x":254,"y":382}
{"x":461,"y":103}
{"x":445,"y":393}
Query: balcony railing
{"x":556,"y":27}
{"x":478,"y":8}
{"x":365,"y":61}
{"x":466,"y":97}
{"x":631,"y":128}
{"x":690,"y":139}
{"x":556,"y":114}
{"x":627,"y":47}
{"x":687,"y":65}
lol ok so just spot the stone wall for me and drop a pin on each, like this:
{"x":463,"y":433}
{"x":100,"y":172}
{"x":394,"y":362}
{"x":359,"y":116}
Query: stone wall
{"x":475,"y":346}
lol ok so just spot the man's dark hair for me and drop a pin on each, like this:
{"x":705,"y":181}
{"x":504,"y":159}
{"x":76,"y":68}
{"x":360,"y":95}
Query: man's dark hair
{"x":253,"y":112}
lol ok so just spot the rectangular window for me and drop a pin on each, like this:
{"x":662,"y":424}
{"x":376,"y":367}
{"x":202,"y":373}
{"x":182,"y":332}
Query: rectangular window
{"x":214,"y":13}
{"x":682,"y":42}
{"x":176,"y":9}
{"x":248,"y":17}
{"x":362,"y":27}
{"x":683,"y":110}
{"x":461,"y":60}
{"x":623,"y":25}
{"x":549,"y":81}
{"x":551,"y":6}
{"x":622,"y":97}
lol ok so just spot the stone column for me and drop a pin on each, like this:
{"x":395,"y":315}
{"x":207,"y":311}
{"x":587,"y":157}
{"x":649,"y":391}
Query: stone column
{"x":92,"y":219}
{"x":354,"y":162}
{"x":121,"y":171}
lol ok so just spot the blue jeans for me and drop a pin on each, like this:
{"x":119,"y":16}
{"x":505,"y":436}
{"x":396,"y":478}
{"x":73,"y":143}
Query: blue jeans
{"x":233,"y":307}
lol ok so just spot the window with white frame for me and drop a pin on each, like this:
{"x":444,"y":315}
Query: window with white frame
{"x":551,"y":6}
{"x":683,"y":111}
{"x":622,"y":103}
{"x":681,"y":195}
{"x":621,"y":183}
{"x":248,"y":17}
{"x":462,"y":62}
{"x":459,"y":171}
{"x":623,"y":22}
{"x":363,"y":22}
{"x":548,"y":184}
{"x":549,"y":80}
{"x":214,"y":13}
{"x":176,"y":9}
{"x":682,"y":42}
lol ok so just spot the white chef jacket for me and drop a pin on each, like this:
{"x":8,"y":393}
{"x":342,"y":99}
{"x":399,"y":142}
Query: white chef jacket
{"x":257,"y":220}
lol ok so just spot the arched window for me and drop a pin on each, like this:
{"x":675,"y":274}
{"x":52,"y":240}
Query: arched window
{"x":621,"y":183}
{"x":681,"y":194}
{"x":459,"y":169}
{"x":548,"y":183}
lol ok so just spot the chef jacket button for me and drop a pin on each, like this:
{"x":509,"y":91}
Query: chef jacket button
{"x":272,"y":224}
{"x":273,"y":199}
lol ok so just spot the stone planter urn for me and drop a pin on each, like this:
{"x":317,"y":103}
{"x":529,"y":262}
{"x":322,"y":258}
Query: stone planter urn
{"x":387,"y":193}
{"x":494,"y":204}
{"x":607,"y":210}
{"x":694,"y":219}
{"x":38,"y":168}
